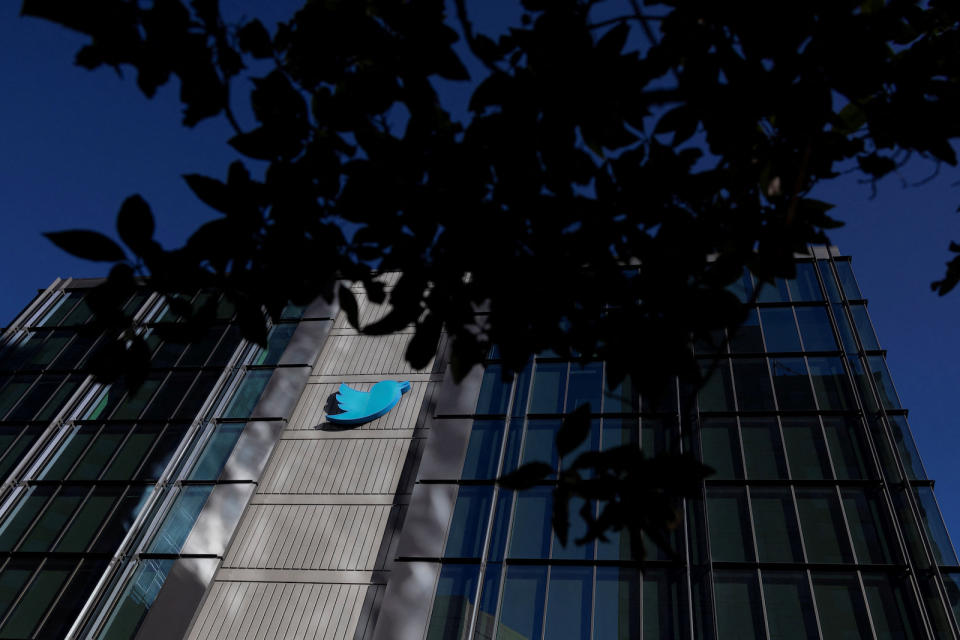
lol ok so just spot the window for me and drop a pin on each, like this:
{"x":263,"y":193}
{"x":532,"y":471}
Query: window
{"x":780,"y":329}
{"x":739,"y":609}
{"x":815,"y":328}
{"x":789,"y":605}
{"x":569,"y":603}
{"x":453,"y":603}
{"x":824,"y":534}
{"x":521,"y":612}
{"x":840,"y":603}
{"x":792,"y":384}
{"x":778,"y":536}
{"x":729,"y":522}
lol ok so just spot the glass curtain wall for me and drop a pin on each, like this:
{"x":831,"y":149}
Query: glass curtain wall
{"x":819,"y":522}
{"x":124,"y":475}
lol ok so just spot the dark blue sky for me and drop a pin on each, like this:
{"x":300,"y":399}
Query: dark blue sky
{"x":74,"y":144}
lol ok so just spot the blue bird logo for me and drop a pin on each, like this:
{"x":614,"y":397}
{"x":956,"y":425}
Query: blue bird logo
{"x":363,"y":406}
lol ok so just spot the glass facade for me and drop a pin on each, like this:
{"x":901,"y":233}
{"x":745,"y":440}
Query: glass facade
{"x":819,"y":522}
{"x":104,"y":483}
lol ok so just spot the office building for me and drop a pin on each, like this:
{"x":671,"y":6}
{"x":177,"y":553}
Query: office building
{"x":217,"y":500}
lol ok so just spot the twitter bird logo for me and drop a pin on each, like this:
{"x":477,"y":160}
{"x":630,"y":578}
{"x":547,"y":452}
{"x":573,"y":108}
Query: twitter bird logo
{"x":363,"y":406}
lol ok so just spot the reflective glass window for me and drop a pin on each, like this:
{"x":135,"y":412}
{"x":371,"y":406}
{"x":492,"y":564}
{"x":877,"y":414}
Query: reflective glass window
{"x":623,"y":398}
{"x":227,"y":347}
{"x":15,"y":441}
{"x":453,"y":603}
{"x":888,"y":598}
{"x":792,"y":384}
{"x":943,"y":549}
{"x":162,"y":452}
{"x":60,"y":308}
{"x":586,"y":386}
{"x":569,"y":603}
{"x":487,"y":615}
{"x":38,"y":596}
{"x":511,"y":453}
{"x":197,"y":395}
{"x":247,"y":395}
{"x":866,"y":513}
{"x":135,"y":401}
{"x":483,"y":450}
{"x":881,"y":376}
{"x":501,"y":525}
{"x":521,"y":611}
{"x":907,"y":447}
{"x":773,"y":292}
{"x":136,"y":600}
{"x":720,"y":446}
{"x":617,"y":616}
{"x":122,"y":519}
{"x":180,"y":519}
{"x":806,"y":452}
{"x":742,"y":287}
{"x":747,"y":338}
{"x":577,"y":530}
{"x":531,"y":523}
{"x":821,"y":520}
{"x":494,"y":391}
{"x":590,"y":443}
{"x":13,"y":392}
{"x":51,"y":522}
{"x":864,"y":327}
{"x":665,"y":605}
{"x":617,"y":432}
{"x":13,"y":579}
{"x":469,"y":526}
{"x":169,"y":396}
{"x":540,"y":442}
{"x":100,"y":452}
{"x":277,"y":342}
{"x":739,"y":609}
{"x":658,"y":435}
{"x":717,"y":391}
{"x":847,"y":281}
{"x":774,"y":520}
{"x":217,"y":451}
{"x":840,"y":604}
{"x":780,"y":329}
{"x":789,"y":604}
{"x":753,"y":384}
{"x":134,"y":449}
{"x":763,"y":449}
{"x":862,"y":380}
{"x":22,"y":515}
{"x":91,"y":516}
{"x":49,"y":347}
{"x":39,"y":395}
{"x":831,"y":384}
{"x":58,"y":399}
{"x":833,"y":291}
{"x":805,"y":287}
{"x":848,"y":448}
{"x":815,"y":328}
{"x":197,"y":352}
{"x":522,"y":396}
{"x":549,"y":381}
{"x":845,"y":329}
{"x":729,"y":522}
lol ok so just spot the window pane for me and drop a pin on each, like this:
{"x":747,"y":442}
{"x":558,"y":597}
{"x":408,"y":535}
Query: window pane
{"x":483,"y":450}
{"x":847,"y":281}
{"x":277,"y":341}
{"x":747,"y":337}
{"x":730,"y":538}
{"x":59,"y":399}
{"x":39,"y":595}
{"x":822,"y":521}
{"x":717,"y":392}
{"x":753,"y":384}
{"x":907,"y":447}
{"x":100,"y":451}
{"x":618,"y":432}
{"x":247,"y":394}
{"x":833,"y":291}
{"x":198,"y":352}
{"x":840,"y":604}
{"x":501,"y":524}
{"x":453,"y":604}
{"x":881,"y":376}
{"x":845,"y":329}
{"x":34,"y":400}
{"x":531,"y":523}
{"x":805,"y":448}
{"x":864,"y":328}
{"x":780,"y":330}
{"x":523,"y":391}
{"x":469,"y":525}
{"x":624,"y":398}
{"x":942,"y":547}
{"x":489,"y":597}
{"x":617,"y":616}
{"x":72,"y":599}
{"x":136,"y":600}
{"x":775,"y":292}
{"x":549,"y":381}
{"x":494,"y":391}
{"x":816,"y":329}
{"x":778,"y":536}
{"x":521,"y":614}
{"x":134,"y":402}
{"x":89,"y":519}
{"x":739,"y":609}
{"x":73,"y":445}
{"x":218,"y":449}
{"x":742,"y":287}
{"x":831,"y":384}
{"x":23,"y":514}
{"x":792,"y":384}
{"x":847,"y":447}
{"x":721,"y":446}
{"x":805,"y":287}
{"x":577,"y":530}
{"x":45,"y":352}
{"x":170,"y":395}
{"x":197,"y":395}
{"x":59,"y":310}
{"x":158,"y":458}
{"x":540,"y":442}
{"x":122,"y":519}
{"x":665,"y":613}
{"x":13,"y":392}
{"x":51,"y":523}
{"x":12,"y":452}
{"x":590,"y":443}
{"x":763,"y":450}
{"x":511,"y":453}
{"x":893,"y":616}
{"x":13,"y":579}
{"x":568,"y":604}
{"x":133,"y":451}
{"x":227,"y":347}
{"x":789,"y":606}
{"x":869,"y":526}
{"x":862,"y":380}
{"x":179,"y":521}
{"x":586,"y":386}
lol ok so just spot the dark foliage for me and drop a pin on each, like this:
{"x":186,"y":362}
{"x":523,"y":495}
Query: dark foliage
{"x":603,"y":158}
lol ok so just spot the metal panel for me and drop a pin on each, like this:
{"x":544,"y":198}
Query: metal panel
{"x":351,"y":353}
{"x":263,"y":611}
{"x":455,"y":399}
{"x":218,"y":519}
{"x":307,"y":342}
{"x":425,"y":529}
{"x":252,"y":451}
{"x":282,"y":392}
{"x":311,"y":411}
{"x":310,"y":536}
{"x":337,"y":466}
{"x":406,"y":603}
{"x":445,"y":449}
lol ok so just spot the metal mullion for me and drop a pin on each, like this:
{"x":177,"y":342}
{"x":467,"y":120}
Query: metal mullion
{"x":546,"y":603}
{"x":866,"y":603}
